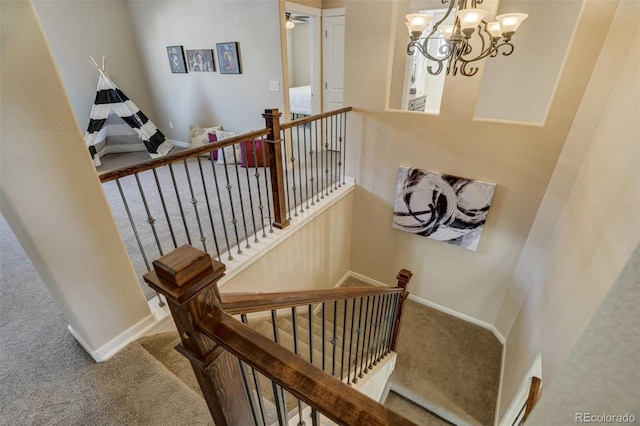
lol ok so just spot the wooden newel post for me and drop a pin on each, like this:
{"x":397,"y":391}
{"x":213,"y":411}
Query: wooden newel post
{"x":188,"y":278}
{"x":272,"y":121}
{"x":403,"y":277}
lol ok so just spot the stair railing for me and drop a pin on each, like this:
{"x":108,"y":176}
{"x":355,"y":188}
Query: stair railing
{"x":228,"y":195}
{"x":220,"y":347}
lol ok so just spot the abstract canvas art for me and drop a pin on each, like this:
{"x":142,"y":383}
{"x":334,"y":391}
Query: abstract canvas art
{"x":442,"y":207}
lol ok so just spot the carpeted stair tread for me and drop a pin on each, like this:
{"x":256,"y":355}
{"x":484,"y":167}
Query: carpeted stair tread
{"x":452,"y":370}
{"x":414,"y":412}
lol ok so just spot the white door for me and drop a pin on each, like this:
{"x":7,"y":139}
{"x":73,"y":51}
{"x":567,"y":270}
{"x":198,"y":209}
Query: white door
{"x":333,"y":58}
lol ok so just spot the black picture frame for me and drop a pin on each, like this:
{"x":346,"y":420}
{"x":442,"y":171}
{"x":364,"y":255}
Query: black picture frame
{"x":200,"y":60}
{"x":229,"y":58}
{"x":177,"y":63}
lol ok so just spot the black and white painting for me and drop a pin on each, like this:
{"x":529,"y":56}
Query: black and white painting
{"x":446,"y":208}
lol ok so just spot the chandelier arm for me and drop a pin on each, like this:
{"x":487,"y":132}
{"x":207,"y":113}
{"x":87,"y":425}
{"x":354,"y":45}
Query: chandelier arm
{"x":411,"y":48}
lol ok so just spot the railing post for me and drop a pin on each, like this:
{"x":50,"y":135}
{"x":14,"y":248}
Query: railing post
{"x":272,"y":120}
{"x":403,"y":277}
{"x":188,"y":277}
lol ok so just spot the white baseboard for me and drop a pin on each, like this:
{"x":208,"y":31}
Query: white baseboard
{"x":460,"y":315}
{"x":118,"y":343}
{"x":434,"y":305}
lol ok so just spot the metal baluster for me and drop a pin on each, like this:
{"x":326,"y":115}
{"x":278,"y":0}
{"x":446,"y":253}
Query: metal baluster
{"x":383,"y":328}
{"x":371,"y":332}
{"x":274,"y":321}
{"x":248,"y":390}
{"x":194,"y":201}
{"x":300,"y":165}
{"x":286,"y":169}
{"x":294,"y":322}
{"x":257,"y":175}
{"x":392,"y":320}
{"x":266,"y":188}
{"x":364,"y":336}
{"x":311,"y":334}
{"x":340,"y":154}
{"x":150,"y":220}
{"x":333,"y":169}
{"x":224,"y":222}
{"x":133,"y":225}
{"x":244,"y":219}
{"x":344,"y":335}
{"x":293,"y":173}
{"x":234,"y":221}
{"x":184,"y":220}
{"x":311,"y":152}
{"x":334,"y":339}
{"x":246,"y":169}
{"x":353,"y":320}
{"x":358,"y":332}
{"x":327,"y":161}
{"x":337,"y":142}
{"x":376,"y":333}
{"x":306,"y":166}
{"x":318,"y":158}
{"x":206,"y":198}
{"x":324,"y":337}
{"x":344,"y":151}
{"x":256,"y":379}
{"x":164,"y":208}
{"x":388,"y":326}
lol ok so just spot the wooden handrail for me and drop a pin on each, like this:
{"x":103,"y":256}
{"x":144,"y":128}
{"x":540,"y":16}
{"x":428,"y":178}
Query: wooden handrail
{"x":314,"y":117}
{"x":243,"y":303}
{"x":336,"y":400}
{"x":179,"y":156}
{"x":212,"y":339}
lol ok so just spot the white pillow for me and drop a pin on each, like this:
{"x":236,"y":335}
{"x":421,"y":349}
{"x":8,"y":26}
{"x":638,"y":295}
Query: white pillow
{"x":226,"y":153}
{"x":200,"y":135}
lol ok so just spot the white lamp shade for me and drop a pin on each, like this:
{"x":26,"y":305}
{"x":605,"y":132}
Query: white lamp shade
{"x":494,"y":29}
{"x":470,"y":18}
{"x":510,"y":22}
{"x":418,"y":22}
{"x":289,"y":24}
{"x":447,"y":31}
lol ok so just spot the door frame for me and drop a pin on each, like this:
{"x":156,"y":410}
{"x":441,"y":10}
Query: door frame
{"x":338,"y":11}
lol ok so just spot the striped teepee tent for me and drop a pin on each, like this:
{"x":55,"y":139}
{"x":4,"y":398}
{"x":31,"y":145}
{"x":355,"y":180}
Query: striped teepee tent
{"x":111,"y":107}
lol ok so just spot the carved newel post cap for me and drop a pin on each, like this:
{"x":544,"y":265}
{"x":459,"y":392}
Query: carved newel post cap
{"x":182,"y":265}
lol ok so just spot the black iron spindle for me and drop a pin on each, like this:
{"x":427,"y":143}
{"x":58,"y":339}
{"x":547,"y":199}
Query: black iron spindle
{"x":324,"y":336}
{"x":164,"y":208}
{"x":344,"y":150}
{"x":376,"y":333}
{"x":358,"y":332}
{"x":256,"y":379}
{"x":246,"y":169}
{"x":364,"y":337}
{"x":184,"y":218}
{"x":334,"y":339}
{"x":306,"y":165}
{"x":244,"y":216}
{"x":293,"y":173}
{"x":234,"y":221}
{"x":344,"y":335}
{"x":150,"y":219}
{"x":326,"y":182}
{"x":133,"y":225}
{"x":224,"y":222}
{"x":194,"y":201}
{"x":311,"y":152}
{"x":257,"y":176}
{"x":311,"y":334}
{"x":247,"y":389}
{"x":318,"y":159}
{"x":285,"y":163}
{"x":383,"y":328}
{"x":372,"y":330}
{"x":206,"y":198}
{"x":294,"y":323}
{"x":266,"y":186}
{"x":353,"y":320}
{"x":276,"y":338}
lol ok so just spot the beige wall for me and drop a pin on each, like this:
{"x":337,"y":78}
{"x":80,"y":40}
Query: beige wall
{"x":589,"y":222}
{"x":518,"y":158}
{"x":317,"y":256}
{"x":50,"y":193}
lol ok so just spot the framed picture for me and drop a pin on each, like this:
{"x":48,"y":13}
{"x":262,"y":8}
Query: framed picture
{"x":176,"y":59}
{"x":445,"y":208}
{"x":228,"y":58}
{"x":200,"y":60}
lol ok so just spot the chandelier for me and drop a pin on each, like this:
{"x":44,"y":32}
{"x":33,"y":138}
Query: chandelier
{"x":460,"y":50}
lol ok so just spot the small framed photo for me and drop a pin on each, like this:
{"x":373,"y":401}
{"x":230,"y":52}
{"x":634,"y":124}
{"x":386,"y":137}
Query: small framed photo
{"x":176,"y":59}
{"x":200,"y":60}
{"x":228,"y":58}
